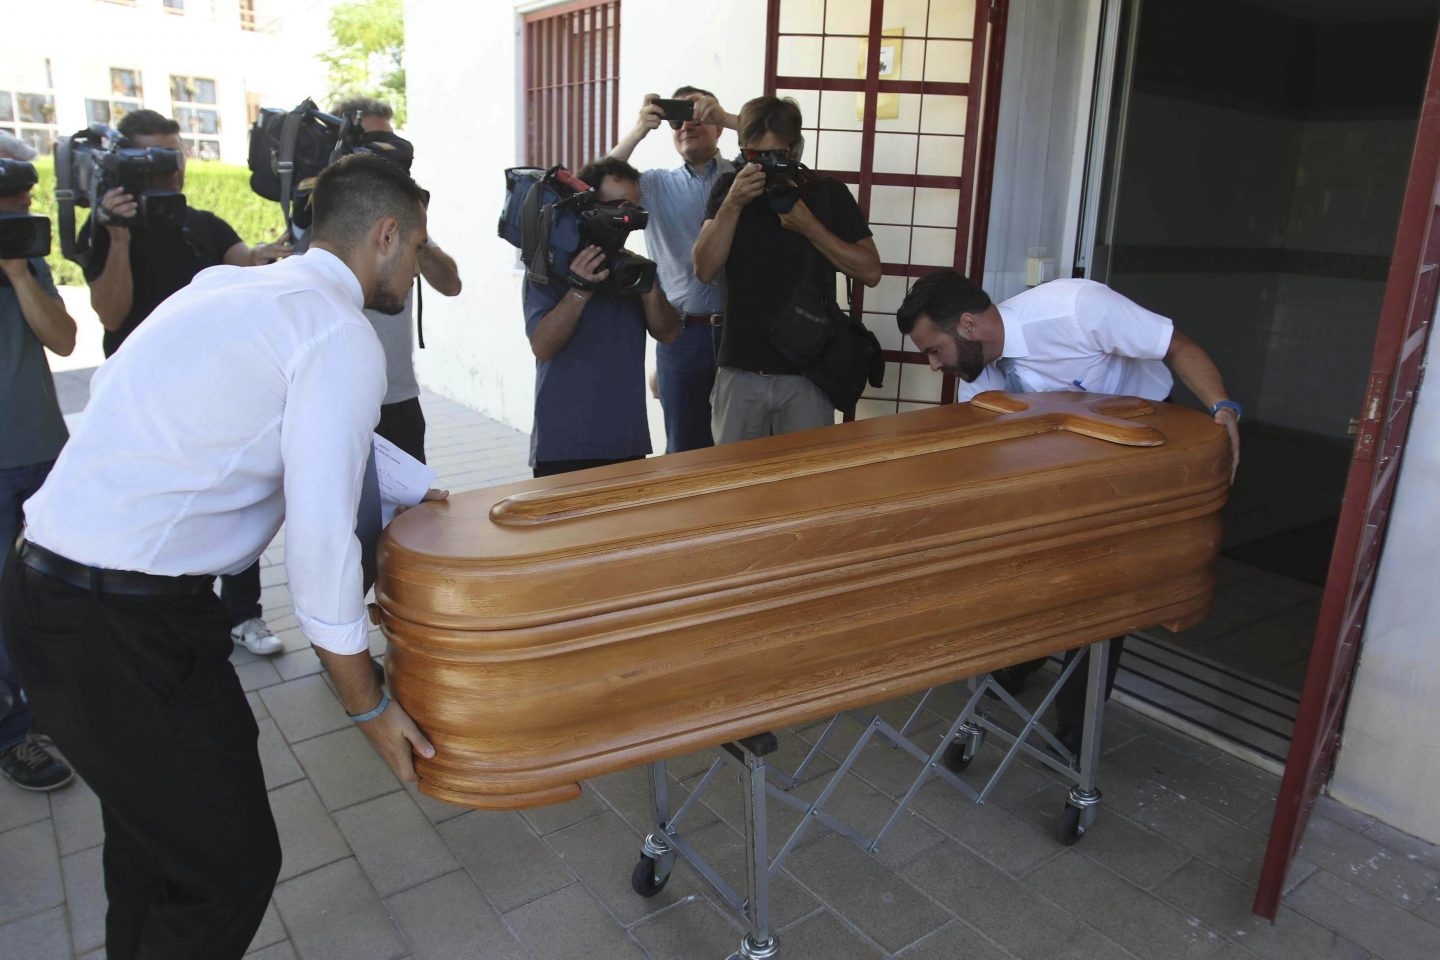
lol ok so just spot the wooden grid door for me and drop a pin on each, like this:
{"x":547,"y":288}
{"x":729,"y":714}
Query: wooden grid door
{"x":915,"y":146}
{"x":572,"y":82}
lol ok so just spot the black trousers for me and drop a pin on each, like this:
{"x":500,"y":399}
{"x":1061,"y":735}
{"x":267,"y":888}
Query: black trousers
{"x":403,"y":424}
{"x":139,"y":694}
{"x":240,"y":592}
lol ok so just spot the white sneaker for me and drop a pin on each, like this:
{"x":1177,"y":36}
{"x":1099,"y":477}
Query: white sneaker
{"x":254,"y":636}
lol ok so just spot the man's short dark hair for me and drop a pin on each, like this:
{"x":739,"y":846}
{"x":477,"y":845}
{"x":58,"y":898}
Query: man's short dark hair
{"x":147,"y":123}
{"x":597,"y":170}
{"x":942,"y":296}
{"x":355,"y":191}
{"x":686,"y":90}
{"x":366,"y":107}
{"x":770,"y":115}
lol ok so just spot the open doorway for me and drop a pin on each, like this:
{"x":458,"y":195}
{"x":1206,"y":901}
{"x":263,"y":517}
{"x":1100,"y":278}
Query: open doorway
{"x":1258,"y":158}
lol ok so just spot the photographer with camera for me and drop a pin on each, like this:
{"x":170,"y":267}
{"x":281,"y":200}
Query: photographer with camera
{"x":402,"y":421}
{"x":779,"y":232}
{"x":135,"y":265}
{"x":675,"y":200}
{"x":32,"y":431}
{"x":588,"y":337}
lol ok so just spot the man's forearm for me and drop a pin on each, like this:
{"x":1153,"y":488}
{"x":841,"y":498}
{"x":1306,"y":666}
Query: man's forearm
{"x":113,"y":292}
{"x":661,"y":318}
{"x":439,"y":270}
{"x":1195,"y":369}
{"x":354,"y":676}
{"x":45,"y":315}
{"x":712,"y":246}
{"x":628,"y":143}
{"x":556,"y":328}
{"x":858,"y":260}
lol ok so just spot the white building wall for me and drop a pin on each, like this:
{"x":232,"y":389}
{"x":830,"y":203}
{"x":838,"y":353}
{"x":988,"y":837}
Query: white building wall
{"x":464,"y":85}
{"x":1386,"y":765}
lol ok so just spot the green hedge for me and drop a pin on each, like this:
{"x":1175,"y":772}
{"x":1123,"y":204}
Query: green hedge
{"x":222,"y":188}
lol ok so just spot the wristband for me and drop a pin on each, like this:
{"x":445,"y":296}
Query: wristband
{"x":374,"y":712}
{"x":1230,"y":405}
{"x":578,"y":295}
{"x":579,"y":284}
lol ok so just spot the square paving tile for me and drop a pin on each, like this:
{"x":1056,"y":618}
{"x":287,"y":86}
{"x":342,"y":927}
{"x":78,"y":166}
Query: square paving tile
{"x":304,"y":708}
{"x":569,"y":923}
{"x":29,"y":852}
{"x":40,"y":936}
{"x":1374,"y":922}
{"x":85,"y":898}
{"x":19,"y":807}
{"x":333,"y":914}
{"x":397,"y":847}
{"x":823,"y":936}
{"x":449,"y":919}
{"x":276,"y":760}
{"x":1122,"y":911}
{"x":689,"y":930}
{"x":1368,"y":863}
{"x":603,"y":852}
{"x":76,"y":813}
{"x":344,"y":768}
{"x":507,"y":861}
{"x":308,"y":837}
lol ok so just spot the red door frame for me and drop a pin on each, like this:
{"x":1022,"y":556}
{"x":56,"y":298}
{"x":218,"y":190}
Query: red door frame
{"x":977,"y":174}
{"x":1405,"y":320}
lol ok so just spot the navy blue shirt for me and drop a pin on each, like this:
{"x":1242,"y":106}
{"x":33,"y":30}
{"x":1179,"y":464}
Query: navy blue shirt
{"x":590,"y":397}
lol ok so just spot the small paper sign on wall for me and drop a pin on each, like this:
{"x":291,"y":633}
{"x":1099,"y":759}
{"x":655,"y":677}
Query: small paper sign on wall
{"x":887,"y":105}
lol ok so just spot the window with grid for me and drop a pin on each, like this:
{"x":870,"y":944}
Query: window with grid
{"x":572,"y":82}
{"x":247,"y":15}
{"x":126,"y":94}
{"x":193,"y":105}
{"x":175,"y":6}
{"x":29,"y":116}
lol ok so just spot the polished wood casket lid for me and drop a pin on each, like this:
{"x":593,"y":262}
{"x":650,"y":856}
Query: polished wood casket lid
{"x":547,"y":631}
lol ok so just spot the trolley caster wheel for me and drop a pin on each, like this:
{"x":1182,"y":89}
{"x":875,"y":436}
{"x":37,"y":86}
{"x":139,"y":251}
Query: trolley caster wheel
{"x":643,"y":880}
{"x":955,"y":758}
{"x":1069,"y":830}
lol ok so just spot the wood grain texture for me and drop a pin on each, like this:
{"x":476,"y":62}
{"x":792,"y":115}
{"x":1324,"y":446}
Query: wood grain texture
{"x":550,"y":631}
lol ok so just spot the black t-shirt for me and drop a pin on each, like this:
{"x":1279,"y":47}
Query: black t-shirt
{"x":163,"y":259}
{"x":765,"y":263}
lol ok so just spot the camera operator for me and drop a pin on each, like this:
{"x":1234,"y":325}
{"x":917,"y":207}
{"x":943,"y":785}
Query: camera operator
{"x":589,"y":348}
{"x":675,"y":200}
{"x":767,"y":256}
{"x":32,"y":431}
{"x":133,"y":270}
{"x":402,"y":421}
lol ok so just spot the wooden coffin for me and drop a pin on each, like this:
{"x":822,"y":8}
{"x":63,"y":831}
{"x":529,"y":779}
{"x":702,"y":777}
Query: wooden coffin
{"x":553,"y":630}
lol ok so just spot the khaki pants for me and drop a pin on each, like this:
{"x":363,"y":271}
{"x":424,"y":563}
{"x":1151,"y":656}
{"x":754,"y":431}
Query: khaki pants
{"x":747,"y":405}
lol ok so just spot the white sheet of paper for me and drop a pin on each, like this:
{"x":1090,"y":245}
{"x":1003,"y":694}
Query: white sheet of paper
{"x":403,"y":479}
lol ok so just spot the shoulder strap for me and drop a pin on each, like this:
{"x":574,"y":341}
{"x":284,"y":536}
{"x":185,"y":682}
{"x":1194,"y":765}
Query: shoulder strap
{"x":285,"y":158}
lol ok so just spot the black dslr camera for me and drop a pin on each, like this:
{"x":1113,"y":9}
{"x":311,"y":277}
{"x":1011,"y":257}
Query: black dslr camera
{"x":22,"y":235}
{"x":786,"y":178}
{"x":95,"y":161}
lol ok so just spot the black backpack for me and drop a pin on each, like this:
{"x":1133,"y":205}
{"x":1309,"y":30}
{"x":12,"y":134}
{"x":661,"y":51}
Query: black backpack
{"x":288,"y":149}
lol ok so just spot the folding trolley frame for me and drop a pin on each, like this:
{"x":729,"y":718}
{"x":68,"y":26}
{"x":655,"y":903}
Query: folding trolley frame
{"x":962,"y":741}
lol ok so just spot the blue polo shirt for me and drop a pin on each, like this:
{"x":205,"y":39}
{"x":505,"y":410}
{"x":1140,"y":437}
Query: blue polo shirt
{"x":590,"y":397}
{"x":675,"y":200}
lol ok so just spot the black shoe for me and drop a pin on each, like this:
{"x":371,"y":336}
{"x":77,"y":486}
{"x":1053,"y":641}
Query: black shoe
{"x":31,"y":767}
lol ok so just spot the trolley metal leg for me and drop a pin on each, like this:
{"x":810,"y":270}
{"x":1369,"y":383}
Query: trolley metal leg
{"x":1084,"y":799}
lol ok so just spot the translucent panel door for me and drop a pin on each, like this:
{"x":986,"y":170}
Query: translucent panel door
{"x":893,"y":94}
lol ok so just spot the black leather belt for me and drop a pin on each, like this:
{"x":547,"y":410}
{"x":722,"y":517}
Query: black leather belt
{"x":703,"y":319}
{"x":129,"y":583}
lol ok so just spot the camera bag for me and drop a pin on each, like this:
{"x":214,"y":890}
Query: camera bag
{"x":288,"y":148}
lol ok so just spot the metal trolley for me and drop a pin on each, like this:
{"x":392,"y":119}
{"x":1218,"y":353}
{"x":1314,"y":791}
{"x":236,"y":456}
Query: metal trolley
{"x":961,"y":742}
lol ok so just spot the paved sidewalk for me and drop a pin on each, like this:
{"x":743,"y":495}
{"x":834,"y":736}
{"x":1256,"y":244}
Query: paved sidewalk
{"x":374,"y":871}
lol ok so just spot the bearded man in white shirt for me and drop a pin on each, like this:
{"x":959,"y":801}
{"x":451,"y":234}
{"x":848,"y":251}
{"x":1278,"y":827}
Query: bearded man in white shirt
{"x":245,"y":400}
{"x":1063,"y":335}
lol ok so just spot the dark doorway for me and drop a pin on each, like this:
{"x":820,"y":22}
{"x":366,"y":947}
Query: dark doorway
{"x":1254,"y":196}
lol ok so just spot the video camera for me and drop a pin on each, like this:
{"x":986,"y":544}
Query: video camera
{"x":289,"y":148}
{"x":22,"y":235}
{"x":551,"y":216}
{"x":96,"y":160}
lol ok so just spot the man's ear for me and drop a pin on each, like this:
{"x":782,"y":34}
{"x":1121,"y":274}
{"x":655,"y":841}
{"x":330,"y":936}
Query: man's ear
{"x":387,"y":235}
{"x":968,"y":326}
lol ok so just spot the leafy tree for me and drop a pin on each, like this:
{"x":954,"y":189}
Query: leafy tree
{"x":369,"y":47}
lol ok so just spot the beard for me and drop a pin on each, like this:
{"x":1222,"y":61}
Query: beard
{"x":385,"y":299}
{"x":970,"y":358}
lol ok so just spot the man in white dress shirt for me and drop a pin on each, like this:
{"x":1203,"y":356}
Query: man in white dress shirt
{"x":1063,"y":335}
{"x":245,"y":400}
